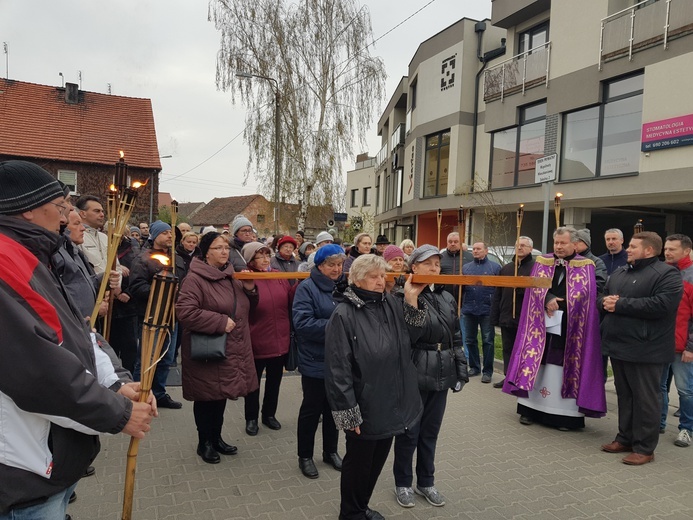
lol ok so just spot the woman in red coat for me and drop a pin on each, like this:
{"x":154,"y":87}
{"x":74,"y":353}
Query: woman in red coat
{"x":211,"y":301}
{"x":270,"y":333}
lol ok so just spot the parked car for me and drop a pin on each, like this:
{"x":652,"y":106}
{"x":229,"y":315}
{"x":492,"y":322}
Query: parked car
{"x":504,"y":254}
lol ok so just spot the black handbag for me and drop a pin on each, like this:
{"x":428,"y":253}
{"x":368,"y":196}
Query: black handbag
{"x":211,"y":347}
{"x":207,"y":347}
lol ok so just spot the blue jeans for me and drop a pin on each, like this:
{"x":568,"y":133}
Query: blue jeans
{"x":52,"y":509}
{"x":164,"y":366}
{"x":472,"y":324}
{"x":683,"y":378}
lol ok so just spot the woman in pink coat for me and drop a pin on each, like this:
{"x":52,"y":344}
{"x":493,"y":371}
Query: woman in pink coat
{"x":211,"y":301}
{"x":270,"y":332}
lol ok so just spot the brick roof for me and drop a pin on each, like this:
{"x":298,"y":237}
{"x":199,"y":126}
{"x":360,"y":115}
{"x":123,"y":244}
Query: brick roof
{"x":37,"y":122}
{"x":221,"y":210}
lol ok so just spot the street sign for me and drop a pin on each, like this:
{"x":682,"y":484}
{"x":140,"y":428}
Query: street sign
{"x":340,"y":217}
{"x":545,"y":169}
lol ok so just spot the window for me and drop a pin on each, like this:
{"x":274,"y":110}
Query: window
{"x":412,"y":96}
{"x":354,"y":198}
{"x":534,"y":37}
{"x":605,"y":140}
{"x":515,"y":151}
{"x":260,"y":219}
{"x":69,"y":178}
{"x":377,"y":194}
{"x":437,"y":163}
{"x":367,"y":196}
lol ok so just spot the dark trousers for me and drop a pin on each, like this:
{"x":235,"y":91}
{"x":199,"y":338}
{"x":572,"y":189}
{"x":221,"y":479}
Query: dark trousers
{"x":209,"y":418}
{"x":422,"y":438}
{"x":313,"y":406}
{"x":273,"y":380}
{"x":123,"y":339}
{"x":363,"y":462}
{"x":508,"y":335}
{"x":639,"y":404}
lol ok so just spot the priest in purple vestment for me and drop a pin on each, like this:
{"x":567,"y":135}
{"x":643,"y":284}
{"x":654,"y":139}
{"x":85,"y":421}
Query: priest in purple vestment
{"x":556,"y":368}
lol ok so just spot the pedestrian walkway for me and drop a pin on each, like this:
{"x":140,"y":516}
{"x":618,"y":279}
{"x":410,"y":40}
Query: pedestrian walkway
{"x":489,"y":467}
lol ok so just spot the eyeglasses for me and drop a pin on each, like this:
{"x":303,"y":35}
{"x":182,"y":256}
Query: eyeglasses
{"x":221,"y":248}
{"x":245,"y":231}
{"x":63,"y":208}
{"x":261,"y":256}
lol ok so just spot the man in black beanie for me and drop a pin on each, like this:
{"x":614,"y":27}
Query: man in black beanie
{"x":47,"y":360}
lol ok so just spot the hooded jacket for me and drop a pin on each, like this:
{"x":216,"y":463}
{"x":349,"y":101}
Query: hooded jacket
{"x":205,"y":303}
{"x":52,"y":405}
{"x":369,"y":376}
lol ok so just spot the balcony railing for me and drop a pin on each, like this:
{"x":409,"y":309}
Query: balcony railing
{"x":397,"y":138}
{"x":517,"y":74}
{"x":381,"y":157}
{"x":644,"y":25}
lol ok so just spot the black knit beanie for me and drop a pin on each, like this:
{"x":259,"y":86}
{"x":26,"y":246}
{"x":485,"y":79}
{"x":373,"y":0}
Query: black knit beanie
{"x":25,"y":186}
{"x":206,"y":242}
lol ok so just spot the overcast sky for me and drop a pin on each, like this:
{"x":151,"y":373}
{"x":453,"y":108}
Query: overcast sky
{"x":165,"y":50}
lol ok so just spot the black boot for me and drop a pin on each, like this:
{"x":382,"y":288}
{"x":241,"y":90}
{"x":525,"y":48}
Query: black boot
{"x":205,"y":449}
{"x":333,"y":459}
{"x":307,"y":467}
{"x":225,"y":449}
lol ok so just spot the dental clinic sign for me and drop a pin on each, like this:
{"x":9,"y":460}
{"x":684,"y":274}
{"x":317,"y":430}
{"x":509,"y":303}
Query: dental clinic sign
{"x":667,"y":133}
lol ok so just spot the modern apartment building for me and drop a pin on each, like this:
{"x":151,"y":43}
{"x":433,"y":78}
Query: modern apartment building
{"x":603,"y":84}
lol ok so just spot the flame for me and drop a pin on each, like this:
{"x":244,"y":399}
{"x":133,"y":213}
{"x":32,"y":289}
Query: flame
{"x":122,"y":154}
{"x":559,"y":195}
{"x":162,"y":259}
{"x":522,"y":205}
{"x":112,"y":187}
{"x":137,"y":184}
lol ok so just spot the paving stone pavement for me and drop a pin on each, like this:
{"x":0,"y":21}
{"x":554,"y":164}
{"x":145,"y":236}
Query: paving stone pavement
{"x":488,"y":466}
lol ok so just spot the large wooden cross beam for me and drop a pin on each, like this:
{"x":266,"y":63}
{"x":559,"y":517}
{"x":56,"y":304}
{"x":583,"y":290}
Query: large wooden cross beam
{"x":443,"y":279}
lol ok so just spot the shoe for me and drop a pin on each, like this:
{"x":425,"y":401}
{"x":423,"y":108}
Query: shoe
{"x":616,"y":447}
{"x":89,"y":471}
{"x":499,"y":384}
{"x":333,"y":459}
{"x":225,"y":449}
{"x":432,"y":495}
{"x":251,"y":427}
{"x":208,"y":453}
{"x":662,"y":431}
{"x":486,"y":378}
{"x":405,"y":496}
{"x":563,"y":429}
{"x":677,"y":413}
{"x":272,"y":423}
{"x":72,"y":498}
{"x":637,"y":459}
{"x":167,"y":402}
{"x":473,"y":372}
{"x":683,"y":439}
{"x":307,"y":467}
{"x":526,"y":420}
{"x":373,"y":515}
{"x":67,"y":517}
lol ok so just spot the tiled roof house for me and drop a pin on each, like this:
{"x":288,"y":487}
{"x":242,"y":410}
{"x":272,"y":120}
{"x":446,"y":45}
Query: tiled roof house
{"x":78,"y":136}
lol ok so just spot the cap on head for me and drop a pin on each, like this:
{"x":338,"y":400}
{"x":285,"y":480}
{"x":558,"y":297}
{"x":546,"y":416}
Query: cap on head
{"x":25,"y":186}
{"x":392,"y":251}
{"x":238,"y":222}
{"x":422,"y":253}
{"x":585,"y":236}
{"x":286,"y":239}
{"x":327,"y":251}
{"x":323,"y":236}
{"x":157,"y":228}
{"x":381,"y":240}
{"x":250,"y":250}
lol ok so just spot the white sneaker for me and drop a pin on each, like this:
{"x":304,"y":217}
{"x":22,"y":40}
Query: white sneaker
{"x":432,"y":495}
{"x":405,"y":496}
{"x":683,"y":439}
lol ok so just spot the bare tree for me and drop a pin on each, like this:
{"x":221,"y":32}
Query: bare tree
{"x":497,"y":223}
{"x":329,"y":85}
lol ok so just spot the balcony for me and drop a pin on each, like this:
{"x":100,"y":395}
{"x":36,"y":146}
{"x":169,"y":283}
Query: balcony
{"x":381,"y":157}
{"x":397,"y":137}
{"x":517,"y":74}
{"x":646,"y":24}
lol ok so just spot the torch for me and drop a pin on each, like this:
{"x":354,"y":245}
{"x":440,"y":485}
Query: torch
{"x":557,"y":209}
{"x":440,"y":217}
{"x":639,"y":227}
{"x":157,"y":326}
{"x":461,"y":230}
{"x":123,"y":211}
{"x":520,"y":214}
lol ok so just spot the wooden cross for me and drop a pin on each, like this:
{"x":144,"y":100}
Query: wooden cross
{"x":443,"y":279}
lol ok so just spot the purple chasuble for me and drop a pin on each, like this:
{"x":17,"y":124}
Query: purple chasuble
{"x":583,"y":373}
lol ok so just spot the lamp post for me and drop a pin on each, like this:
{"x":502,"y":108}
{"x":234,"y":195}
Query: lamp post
{"x":277,"y":142}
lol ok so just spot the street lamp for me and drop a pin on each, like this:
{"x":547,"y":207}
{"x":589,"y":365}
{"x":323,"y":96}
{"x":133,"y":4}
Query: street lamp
{"x":277,"y":147}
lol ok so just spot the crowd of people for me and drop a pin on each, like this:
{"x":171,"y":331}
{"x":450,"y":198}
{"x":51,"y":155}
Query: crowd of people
{"x":377,"y":355}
